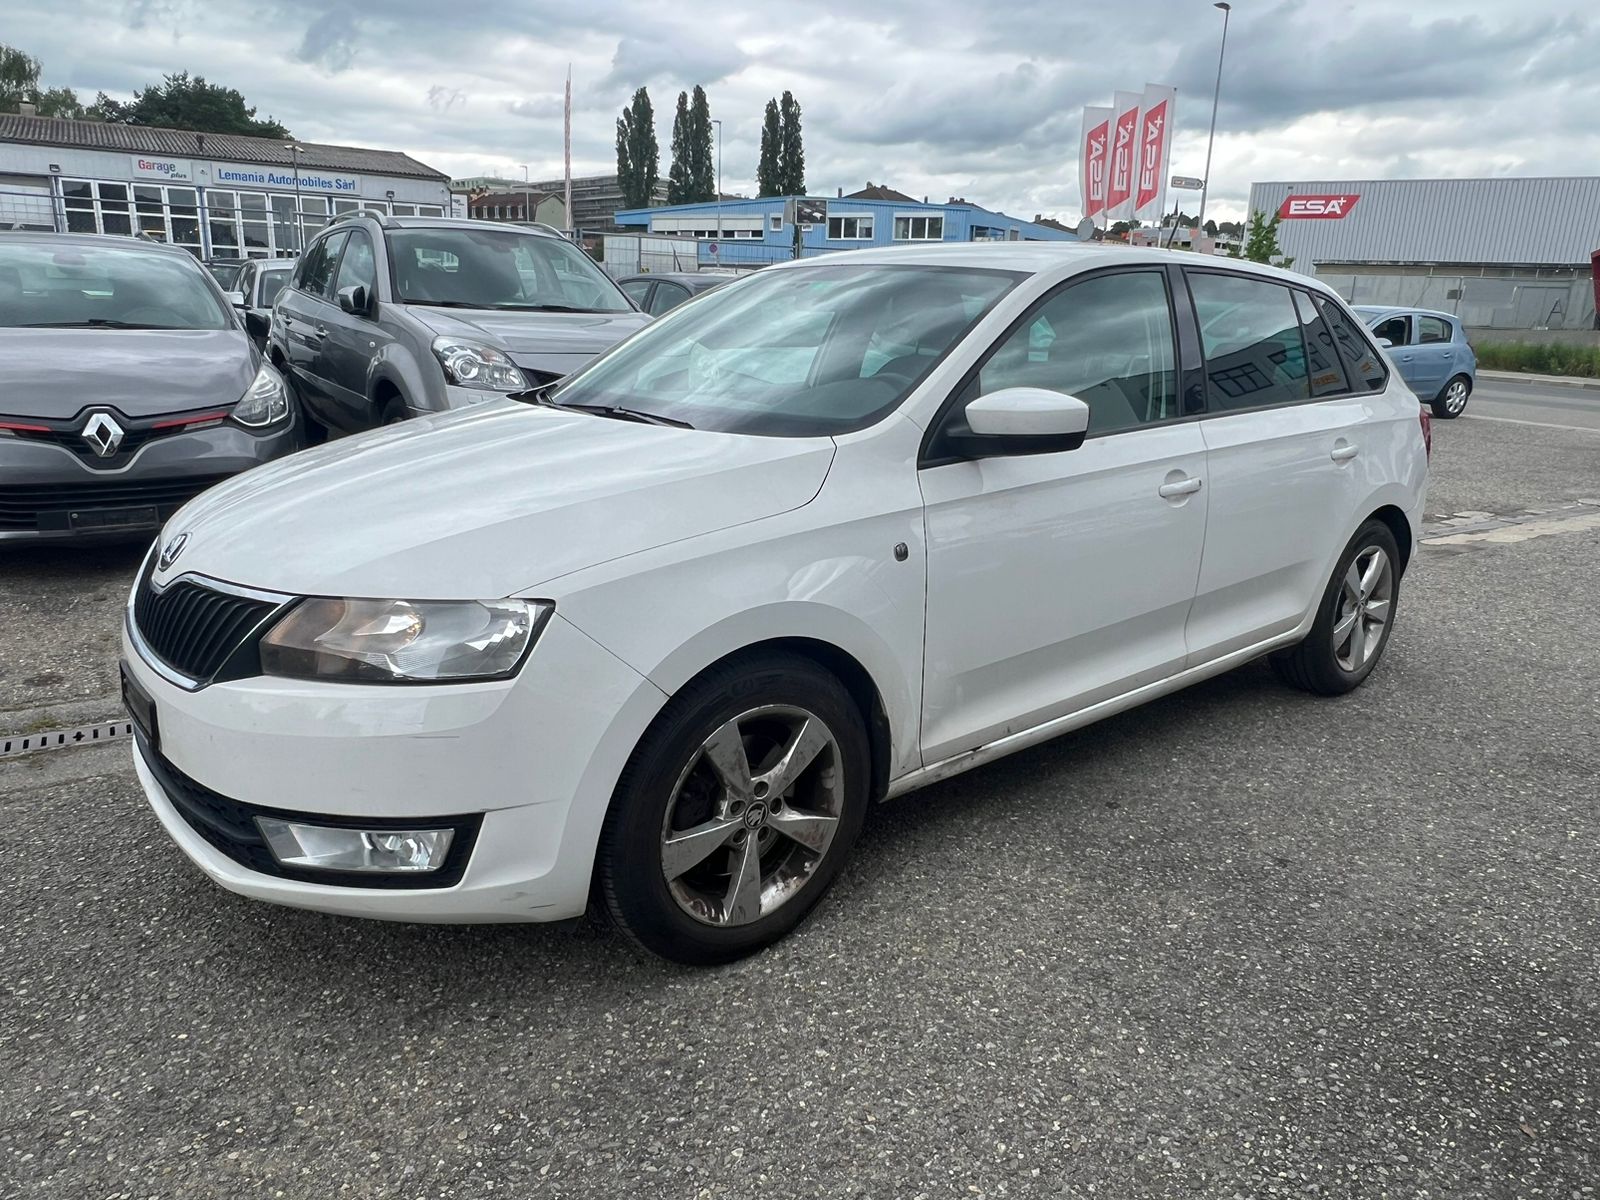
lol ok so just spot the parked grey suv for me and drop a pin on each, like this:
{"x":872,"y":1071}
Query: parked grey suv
{"x":127,"y":386}
{"x":390,"y":317}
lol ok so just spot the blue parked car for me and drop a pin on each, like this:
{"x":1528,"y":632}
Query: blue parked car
{"x":1431,"y":351}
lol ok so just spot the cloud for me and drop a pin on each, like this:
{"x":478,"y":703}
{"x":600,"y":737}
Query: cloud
{"x":934,"y":97}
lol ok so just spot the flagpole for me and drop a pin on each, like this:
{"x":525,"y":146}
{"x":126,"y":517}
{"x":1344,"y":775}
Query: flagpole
{"x":572,"y":225}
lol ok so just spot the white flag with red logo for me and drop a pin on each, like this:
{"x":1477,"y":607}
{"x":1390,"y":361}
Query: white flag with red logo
{"x":1124,"y":136}
{"x":1092,"y":160}
{"x":1154,"y":151}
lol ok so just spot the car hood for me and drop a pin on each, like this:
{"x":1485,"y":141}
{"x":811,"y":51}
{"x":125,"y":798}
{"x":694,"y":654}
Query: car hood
{"x":55,"y":373}
{"x":541,"y":341}
{"x":484,"y":502}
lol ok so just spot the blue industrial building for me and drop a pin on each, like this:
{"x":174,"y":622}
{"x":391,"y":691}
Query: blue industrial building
{"x":756,"y":231}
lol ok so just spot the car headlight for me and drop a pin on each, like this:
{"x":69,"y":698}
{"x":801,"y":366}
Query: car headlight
{"x":477,"y":365}
{"x":265,"y":401}
{"x":403,"y":641}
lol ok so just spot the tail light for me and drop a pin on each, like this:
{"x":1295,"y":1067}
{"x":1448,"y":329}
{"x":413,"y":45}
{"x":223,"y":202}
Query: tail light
{"x":1426,"y":418}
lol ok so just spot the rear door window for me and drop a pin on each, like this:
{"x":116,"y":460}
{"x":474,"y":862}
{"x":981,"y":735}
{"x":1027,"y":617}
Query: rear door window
{"x":1431,"y":330}
{"x":317,"y":278}
{"x":1250,"y":332}
{"x":1327,"y":371}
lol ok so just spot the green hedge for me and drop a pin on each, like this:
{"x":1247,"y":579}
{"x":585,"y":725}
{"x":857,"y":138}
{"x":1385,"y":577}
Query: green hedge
{"x":1540,"y":358}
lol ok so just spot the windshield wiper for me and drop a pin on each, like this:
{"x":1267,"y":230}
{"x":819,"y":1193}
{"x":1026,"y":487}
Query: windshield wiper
{"x":619,"y":413}
{"x":93,"y":323}
{"x":552,"y":308}
{"x":446,"y":303}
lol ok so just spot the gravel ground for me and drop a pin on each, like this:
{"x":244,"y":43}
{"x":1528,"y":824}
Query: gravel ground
{"x":1241,"y":942}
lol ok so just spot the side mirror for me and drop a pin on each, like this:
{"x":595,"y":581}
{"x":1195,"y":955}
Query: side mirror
{"x":1021,"y":420}
{"x":1386,"y":343}
{"x":354,"y":300}
{"x":236,"y":299}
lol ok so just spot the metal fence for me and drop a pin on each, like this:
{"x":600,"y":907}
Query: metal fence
{"x":29,"y":208}
{"x":623,"y":254}
{"x":1493,"y":298}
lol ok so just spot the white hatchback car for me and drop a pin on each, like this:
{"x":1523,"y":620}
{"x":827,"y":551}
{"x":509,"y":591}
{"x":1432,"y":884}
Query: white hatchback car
{"x":840,"y":529}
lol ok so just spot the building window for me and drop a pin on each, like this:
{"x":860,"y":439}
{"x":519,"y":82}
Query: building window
{"x":850,"y":229}
{"x":775,"y":222}
{"x":919,"y":229}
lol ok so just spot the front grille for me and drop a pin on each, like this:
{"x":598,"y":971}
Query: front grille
{"x":197,"y":630}
{"x":67,"y":432}
{"x":229,"y":827}
{"x":56,"y":507}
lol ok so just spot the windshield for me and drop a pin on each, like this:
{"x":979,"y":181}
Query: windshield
{"x":796,"y":352}
{"x":63,"y":285}
{"x":498,"y":268}
{"x":271,"y":284}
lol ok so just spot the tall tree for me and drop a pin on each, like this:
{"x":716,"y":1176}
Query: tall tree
{"x":19,"y":84}
{"x":769,"y":176}
{"x":638,"y":155}
{"x":680,"y":176}
{"x":702,"y":157}
{"x":180,"y":102}
{"x":791,"y":148}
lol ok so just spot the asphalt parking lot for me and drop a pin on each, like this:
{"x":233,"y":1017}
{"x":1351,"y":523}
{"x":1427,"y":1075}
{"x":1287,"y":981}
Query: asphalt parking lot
{"x":1241,"y":942}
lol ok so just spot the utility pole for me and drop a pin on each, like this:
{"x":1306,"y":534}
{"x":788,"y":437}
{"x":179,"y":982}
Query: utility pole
{"x":717,"y":121}
{"x":527,"y":207}
{"x":299,"y":219}
{"x":1216,"y":95}
{"x":572,"y":226}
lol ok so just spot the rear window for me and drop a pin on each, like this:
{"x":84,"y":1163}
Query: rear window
{"x":60,"y":285}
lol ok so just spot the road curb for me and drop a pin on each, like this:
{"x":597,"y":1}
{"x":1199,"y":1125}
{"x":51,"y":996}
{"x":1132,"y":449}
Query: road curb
{"x":1571,"y":381}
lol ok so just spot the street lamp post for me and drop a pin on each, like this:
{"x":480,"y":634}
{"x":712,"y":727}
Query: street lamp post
{"x":717,"y":121}
{"x":299,"y":221}
{"x":1216,"y":95}
{"x":527,"y":208}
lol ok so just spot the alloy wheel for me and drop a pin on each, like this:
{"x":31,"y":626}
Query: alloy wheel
{"x":1366,"y":601}
{"x":752,"y":816}
{"x":1455,"y":396}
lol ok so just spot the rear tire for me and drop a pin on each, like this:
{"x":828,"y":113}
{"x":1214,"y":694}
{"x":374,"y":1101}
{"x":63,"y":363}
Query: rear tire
{"x":736,"y":811}
{"x":1353,"y":621}
{"x":393,"y":411}
{"x":1452,"y":399}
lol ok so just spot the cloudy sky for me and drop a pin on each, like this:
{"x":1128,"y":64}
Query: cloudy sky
{"x":934,"y":97}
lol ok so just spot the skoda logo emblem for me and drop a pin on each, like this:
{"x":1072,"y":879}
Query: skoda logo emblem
{"x":103,"y":434}
{"x":170,"y":552}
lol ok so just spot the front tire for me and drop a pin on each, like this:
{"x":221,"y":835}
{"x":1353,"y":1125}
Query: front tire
{"x":1452,"y":399}
{"x":1354,"y":620}
{"x":736,"y":811}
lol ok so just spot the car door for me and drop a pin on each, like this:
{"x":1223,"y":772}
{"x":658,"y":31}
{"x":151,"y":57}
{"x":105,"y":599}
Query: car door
{"x":1432,"y":354}
{"x":354,"y":340}
{"x":1398,"y":332}
{"x":1059,"y":580}
{"x":304,"y":315}
{"x":1283,"y":431}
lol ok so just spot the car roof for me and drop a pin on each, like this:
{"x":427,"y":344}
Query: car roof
{"x":1380,"y":310}
{"x":117,"y":241}
{"x":1038,"y":257}
{"x":693,"y":279}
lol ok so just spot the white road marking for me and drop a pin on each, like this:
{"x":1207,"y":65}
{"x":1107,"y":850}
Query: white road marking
{"x":1519,"y":533}
{"x":1517,"y":421}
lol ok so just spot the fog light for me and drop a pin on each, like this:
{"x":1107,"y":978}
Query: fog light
{"x":331,"y":849}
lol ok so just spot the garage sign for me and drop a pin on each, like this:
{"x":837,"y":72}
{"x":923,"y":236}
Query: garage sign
{"x":1318,"y":208}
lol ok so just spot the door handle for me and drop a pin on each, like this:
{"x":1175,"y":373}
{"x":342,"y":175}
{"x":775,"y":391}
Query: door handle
{"x":1344,"y":453}
{"x":322,"y":331}
{"x":1183,"y":487}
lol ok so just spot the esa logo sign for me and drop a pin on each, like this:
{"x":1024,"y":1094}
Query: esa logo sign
{"x":1319,"y":208}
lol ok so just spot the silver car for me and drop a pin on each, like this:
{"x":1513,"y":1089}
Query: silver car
{"x":391,"y":317}
{"x":127,"y":386}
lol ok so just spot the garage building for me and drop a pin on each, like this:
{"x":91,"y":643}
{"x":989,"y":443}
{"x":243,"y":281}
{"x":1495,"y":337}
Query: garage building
{"x":217,"y":195}
{"x":1511,"y":253}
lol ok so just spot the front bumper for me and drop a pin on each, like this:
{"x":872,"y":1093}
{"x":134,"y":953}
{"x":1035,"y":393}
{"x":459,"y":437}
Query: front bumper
{"x":534,"y":759}
{"x":49,"y":494}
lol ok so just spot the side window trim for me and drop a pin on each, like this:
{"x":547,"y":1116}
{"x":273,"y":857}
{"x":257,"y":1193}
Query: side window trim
{"x":926,"y":458}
